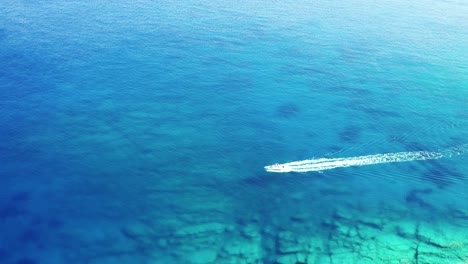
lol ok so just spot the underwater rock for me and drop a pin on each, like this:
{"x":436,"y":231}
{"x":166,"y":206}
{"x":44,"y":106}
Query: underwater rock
{"x":353,"y":232}
{"x":443,"y":237}
{"x":203,"y":256}
{"x":342,"y":214}
{"x":367,"y":250}
{"x":287,"y":242}
{"x":251,"y":231}
{"x":428,"y":254}
{"x":256,"y":218}
{"x":367,"y":232}
{"x":406,"y":230}
{"x":392,"y":244}
{"x":136,"y":230}
{"x":428,"y":235}
{"x":459,"y":213}
{"x":342,"y":229}
{"x":371,"y":222}
{"x":300,"y":217}
{"x":162,"y":242}
{"x":248,"y":250}
{"x":386,"y":248}
{"x":289,"y":247}
{"x":297,"y":258}
{"x":214,"y":228}
{"x":329,"y":224}
{"x":301,"y":257}
{"x":286,"y":259}
{"x":314,"y":257}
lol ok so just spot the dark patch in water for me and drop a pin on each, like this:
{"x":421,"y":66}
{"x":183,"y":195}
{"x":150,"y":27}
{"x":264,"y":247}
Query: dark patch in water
{"x":257,"y":181}
{"x":438,"y":178}
{"x":441,"y":175}
{"x":21,"y":197}
{"x":287,"y":110}
{"x":414,"y":146}
{"x":334,"y":192}
{"x":26,"y":261}
{"x":354,"y":92}
{"x":458,"y":214}
{"x":413,"y":168}
{"x":376,"y":112}
{"x":370,"y":224}
{"x":350,"y":134}
{"x":30,"y":236}
{"x":329,"y":225}
{"x":4,"y":255}
{"x":413,"y":197}
{"x":36,"y":220}
{"x":54,"y":223}
{"x":11,"y":211}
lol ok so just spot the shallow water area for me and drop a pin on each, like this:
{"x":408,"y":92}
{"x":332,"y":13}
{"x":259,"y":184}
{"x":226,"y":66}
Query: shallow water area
{"x":139,"y":132}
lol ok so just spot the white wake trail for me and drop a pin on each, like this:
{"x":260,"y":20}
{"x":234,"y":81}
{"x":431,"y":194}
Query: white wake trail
{"x":328,"y":164}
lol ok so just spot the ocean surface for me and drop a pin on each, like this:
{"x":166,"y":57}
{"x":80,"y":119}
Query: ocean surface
{"x":138,"y":131}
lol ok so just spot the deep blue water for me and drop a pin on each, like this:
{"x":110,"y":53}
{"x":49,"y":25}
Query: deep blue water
{"x":137,"y":132}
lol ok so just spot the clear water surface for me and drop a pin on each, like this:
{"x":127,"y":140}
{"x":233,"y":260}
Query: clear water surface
{"x":137,"y":131}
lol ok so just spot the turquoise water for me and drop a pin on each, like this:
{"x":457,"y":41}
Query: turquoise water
{"x":138,"y":132}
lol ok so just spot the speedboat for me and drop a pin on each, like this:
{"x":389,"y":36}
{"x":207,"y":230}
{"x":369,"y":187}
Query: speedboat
{"x":278,"y":168}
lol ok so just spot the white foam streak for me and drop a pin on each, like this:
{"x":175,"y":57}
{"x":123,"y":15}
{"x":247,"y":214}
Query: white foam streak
{"x":332,"y":163}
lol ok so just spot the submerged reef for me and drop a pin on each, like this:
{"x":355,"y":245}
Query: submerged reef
{"x":346,"y":233}
{"x":346,"y":237}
